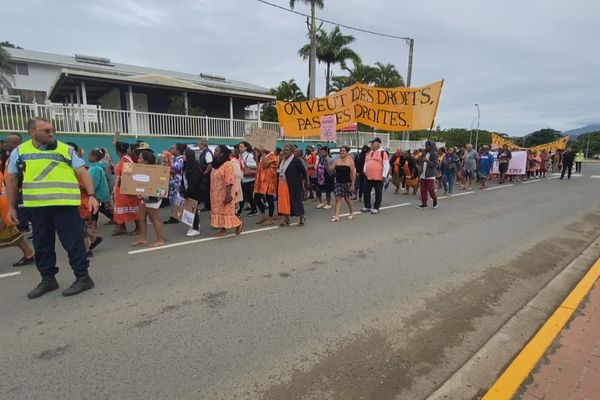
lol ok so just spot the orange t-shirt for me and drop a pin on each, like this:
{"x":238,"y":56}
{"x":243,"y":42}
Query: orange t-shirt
{"x":266,"y":178}
{"x":374,"y":164}
{"x":311,"y":159}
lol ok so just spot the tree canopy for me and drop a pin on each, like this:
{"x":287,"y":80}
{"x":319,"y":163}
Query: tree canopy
{"x":332,"y":49}
{"x":285,"y":91}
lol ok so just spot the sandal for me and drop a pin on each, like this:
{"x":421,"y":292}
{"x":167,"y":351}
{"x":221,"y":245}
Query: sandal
{"x":284,"y":223}
{"x":239,"y":229}
{"x":118,"y":233}
{"x":24,"y":261}
{"x":139,"y":243}
{"x":351,"y":216}
{"x":334,"y":219}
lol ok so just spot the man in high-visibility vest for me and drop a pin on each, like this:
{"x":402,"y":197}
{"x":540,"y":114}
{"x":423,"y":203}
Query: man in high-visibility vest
{"x":579,"y":157}
{"x":51,"y":172}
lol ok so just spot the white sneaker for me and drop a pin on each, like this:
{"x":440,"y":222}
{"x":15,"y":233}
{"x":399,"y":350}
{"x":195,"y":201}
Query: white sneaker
{"x":327,"y":207}
{"x":320,"y":205}
{"x":365,"y":210}
{"x":374,"y":211}
{"x":192,"y":233}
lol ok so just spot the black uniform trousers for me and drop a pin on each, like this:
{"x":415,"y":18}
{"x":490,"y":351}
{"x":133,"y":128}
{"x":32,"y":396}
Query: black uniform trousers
{"x":64,"y":222}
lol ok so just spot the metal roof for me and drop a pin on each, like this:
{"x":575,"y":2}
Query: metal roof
{"x":64,"y":82}
{"x":117,"y":69}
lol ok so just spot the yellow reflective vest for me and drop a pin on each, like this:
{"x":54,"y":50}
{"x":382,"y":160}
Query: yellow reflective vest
{"x":48,"y":177}
{"x":579,"y":157}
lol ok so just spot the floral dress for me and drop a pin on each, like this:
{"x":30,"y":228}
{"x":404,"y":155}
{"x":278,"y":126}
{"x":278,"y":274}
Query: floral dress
{"x":176,"y":178}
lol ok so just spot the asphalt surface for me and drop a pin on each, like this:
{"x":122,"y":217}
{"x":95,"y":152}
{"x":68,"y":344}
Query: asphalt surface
{"x":381,"y":307}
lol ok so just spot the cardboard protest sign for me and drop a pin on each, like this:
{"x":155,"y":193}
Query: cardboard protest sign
{"x":328,"y":124}
{"x":262,"y":138}
{"x":145,"y":180}
{"x":184,"y":210}
{"x":189,"y":211}
{"x":391,"y":109}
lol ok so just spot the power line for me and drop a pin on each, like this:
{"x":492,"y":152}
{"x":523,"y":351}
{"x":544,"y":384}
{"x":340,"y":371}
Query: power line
{"x":407,"y":39}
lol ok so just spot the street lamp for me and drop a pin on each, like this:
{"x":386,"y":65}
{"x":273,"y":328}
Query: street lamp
{"x":477,"y":134}
{"x":471,"y":134}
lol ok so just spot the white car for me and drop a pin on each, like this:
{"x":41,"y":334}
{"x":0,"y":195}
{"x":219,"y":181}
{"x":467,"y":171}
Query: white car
{"x":210,"y":146}
{"x":335,"y":153}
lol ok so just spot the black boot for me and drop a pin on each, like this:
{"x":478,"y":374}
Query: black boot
{"x":47,"y":284}
{"x":82,"y":283}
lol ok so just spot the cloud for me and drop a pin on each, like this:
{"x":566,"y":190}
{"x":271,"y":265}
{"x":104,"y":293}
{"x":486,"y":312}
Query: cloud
{"x":128,"y":13}
{"x":529,"y":64}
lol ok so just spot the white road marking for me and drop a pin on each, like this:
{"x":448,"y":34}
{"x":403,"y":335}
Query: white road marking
{"x":394,"y":206}
{"x":462,"y":194}
{"x":208,"y":239}
{"x":553,"y":177}
{"x":537,"y":180}
{"x":595,"y":176}
{"x":10,"y":274}
{"x":500,"y":187}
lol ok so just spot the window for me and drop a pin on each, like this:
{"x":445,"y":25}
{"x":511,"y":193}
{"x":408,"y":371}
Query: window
{"x":19,"y":69}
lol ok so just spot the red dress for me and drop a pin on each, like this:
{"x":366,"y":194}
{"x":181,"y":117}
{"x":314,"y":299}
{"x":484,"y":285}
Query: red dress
{"x":127,"y":206}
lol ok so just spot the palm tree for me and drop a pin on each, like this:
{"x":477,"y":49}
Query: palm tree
{"x":313,"y":42}
{"x":6,"y":70}
{"x":288,"y":91}
{"x":332,"y":48}
{"x":285,"y":91}
{"x":387,"y":76}
{"x":360,"y":73}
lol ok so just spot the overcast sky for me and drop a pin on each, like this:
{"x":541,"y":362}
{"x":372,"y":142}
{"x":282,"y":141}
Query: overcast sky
{"x":530,"y":64}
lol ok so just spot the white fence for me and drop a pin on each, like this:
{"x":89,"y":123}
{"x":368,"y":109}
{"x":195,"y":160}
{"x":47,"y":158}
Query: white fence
{"x":66,"y":119}
{"x":14,"y":117}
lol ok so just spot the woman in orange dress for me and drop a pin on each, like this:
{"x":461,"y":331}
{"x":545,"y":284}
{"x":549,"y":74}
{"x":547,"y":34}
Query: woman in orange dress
{"x":292,"y":177}
{"x":9,"y":234}
{"x":222,"y":193}
{"x":127,"y":207}
{"x":265,"y":185}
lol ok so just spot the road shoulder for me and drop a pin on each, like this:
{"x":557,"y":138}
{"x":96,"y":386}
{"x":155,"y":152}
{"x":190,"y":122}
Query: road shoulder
{"x":482,"y":369}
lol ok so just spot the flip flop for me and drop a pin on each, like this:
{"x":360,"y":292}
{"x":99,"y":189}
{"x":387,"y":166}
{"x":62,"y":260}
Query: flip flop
{"x":139,"y":244}
{"x":24,"y":261}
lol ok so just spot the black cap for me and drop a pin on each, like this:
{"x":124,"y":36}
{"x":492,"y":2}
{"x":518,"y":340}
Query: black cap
{"x":376,"y":140}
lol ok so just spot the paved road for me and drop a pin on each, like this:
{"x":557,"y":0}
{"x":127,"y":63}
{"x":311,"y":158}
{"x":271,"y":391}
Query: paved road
{"x":381,"y":307}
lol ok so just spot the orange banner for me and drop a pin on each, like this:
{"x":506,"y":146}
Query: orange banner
{"x":559,"y":144}
{"x":390,"y":109}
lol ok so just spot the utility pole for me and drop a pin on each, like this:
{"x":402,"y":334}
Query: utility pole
{"x":477,"y":134}
{"x":411,"y":47}
{"x":587,"y":152}
{"x":312,"y":86}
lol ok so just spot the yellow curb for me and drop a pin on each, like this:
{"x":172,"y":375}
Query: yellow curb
{"x":519,"y":369}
